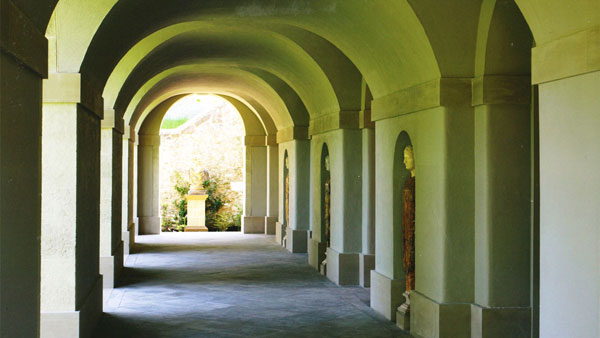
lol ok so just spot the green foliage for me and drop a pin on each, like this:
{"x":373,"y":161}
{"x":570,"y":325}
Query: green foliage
{"x":220,"y":215}
{"x":175,"y":219}
{"x":216,"y":220}
{"x":172,"y":124}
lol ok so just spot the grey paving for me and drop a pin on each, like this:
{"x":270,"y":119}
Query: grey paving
{"x":232,"y":285}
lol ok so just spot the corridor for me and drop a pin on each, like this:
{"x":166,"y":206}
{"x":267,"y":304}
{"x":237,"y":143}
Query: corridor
{"x":232,"y":285}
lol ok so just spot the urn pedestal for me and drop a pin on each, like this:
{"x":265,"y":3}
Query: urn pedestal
{"x":196,"y":213}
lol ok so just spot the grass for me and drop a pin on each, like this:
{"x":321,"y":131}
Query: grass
{"x":172,"y":124}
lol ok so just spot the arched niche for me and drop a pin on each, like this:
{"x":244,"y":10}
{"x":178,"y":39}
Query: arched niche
{"x":400,"y":175}
{"x":286,"y":189}
{"x":325,"y":184}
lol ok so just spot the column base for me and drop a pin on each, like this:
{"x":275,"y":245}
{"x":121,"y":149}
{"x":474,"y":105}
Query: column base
{"x":514,"y":322}
{"x":366,"y":264}
{"x":126,"y":242}
{"x":74,"y":323}
{"x":432,"y":319}
{"x":149,"y":225}
{"x":270,"y":225}
{"x":316,"y":253}
{"x":280,"y":233}
{"x":386,"y":294}
{"x":111,"y":267}
{"x":403,"y":313}
{"x":195,"y":228}
{"x":295,"y":240}
{"x":253,"y":225}
{"x":342,"y":268}
{"x":132,"y":234}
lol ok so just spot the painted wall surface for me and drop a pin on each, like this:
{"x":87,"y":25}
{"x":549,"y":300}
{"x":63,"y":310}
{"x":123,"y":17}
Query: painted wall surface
{"x":299,"y":157}
{"x":20,"y":202}
{"x":442,"y":141}
{"x":346,"y":187}
{"x":569,"y":207}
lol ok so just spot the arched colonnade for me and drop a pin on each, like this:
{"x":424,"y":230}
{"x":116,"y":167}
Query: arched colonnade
{"x":499,"y":104}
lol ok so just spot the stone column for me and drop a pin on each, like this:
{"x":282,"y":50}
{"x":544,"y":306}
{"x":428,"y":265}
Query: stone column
{"x":346,"y":189}
{"x":502,"y":205}
{"x":439,"y":124}
{"x":148,"y":184}
{"x":196,"y":216}
{"x":71,"y":292}
{"x":255,"y":206}
{"x":127,"y":223}
{"x":367,"y":256}
{"x":111,"y":245}
{"x":23,"y":64}
{"x":272,"y":186}
{"x":296,"y":232}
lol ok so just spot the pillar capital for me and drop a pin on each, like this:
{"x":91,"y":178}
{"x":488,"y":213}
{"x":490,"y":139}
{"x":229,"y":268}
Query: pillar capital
{"x":73,"y":88}
{"x":255,"y":140}
{"x":571,"y":55}
{"x":149,"y":140}
{"x":496,"y":89}
{"x":343,"y":119}
{"x":292,"y":133}
{"x":435,"y":93}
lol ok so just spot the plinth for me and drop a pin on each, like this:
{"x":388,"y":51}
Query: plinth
{"x":196,"y":213}
{"x":403,"y":313}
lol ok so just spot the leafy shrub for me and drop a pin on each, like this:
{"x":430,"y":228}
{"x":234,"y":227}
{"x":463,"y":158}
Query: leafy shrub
{"x":220,"y":215}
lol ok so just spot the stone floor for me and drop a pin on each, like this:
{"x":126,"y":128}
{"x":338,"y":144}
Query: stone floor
{"x":232,"y":285}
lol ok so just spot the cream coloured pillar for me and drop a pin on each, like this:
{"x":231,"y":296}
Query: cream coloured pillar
{"x":71,"y":286}
{"x":148,"y":183}
{"x":272,"y":187}
{"x":367,"y":256}
{"x":111,"y":245}
{"x":127,"y":223}
{"x":296,"y":232}
{"x":345,"y":163}
{"x":255,"y":206}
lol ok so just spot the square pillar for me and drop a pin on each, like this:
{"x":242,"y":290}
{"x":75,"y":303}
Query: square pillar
{"x":20,"y":172}
{"x":127,"y":206}
{"x":71,"y":286}
{"x":367,"y":256}
{"x":343,"y":266}
{"x":111,"y":245}
{"x":272,"y":188}
{"x":148,"y":207}
{"x":502,"y":213}
{"x":255,"y":206}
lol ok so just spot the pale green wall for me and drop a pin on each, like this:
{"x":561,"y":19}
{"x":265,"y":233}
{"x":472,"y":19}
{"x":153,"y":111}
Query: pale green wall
{"x":570,"y":207}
